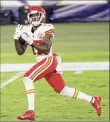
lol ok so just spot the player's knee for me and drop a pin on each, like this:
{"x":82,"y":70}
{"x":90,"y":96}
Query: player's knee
{"x":58,"y":89}
{"x":27,"y":80}
{"x":26,"y":74}
{"x":67,"y":91}
{"x":28,"y":83}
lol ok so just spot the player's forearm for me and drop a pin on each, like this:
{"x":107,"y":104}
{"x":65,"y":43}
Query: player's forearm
{"x":45,"y":46}
{"x":20,"y":49}
{"x":41,"y":48}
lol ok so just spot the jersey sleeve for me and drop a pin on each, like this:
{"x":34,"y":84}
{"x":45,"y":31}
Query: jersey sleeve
{"x":49,"y":29}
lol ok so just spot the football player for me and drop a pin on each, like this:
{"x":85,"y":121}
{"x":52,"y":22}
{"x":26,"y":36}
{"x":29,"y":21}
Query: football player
{"x":39,"y":36}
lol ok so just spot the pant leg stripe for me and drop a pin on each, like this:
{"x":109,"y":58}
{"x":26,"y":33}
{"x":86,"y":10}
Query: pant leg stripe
{"x":44,"y":69}
{"x":41,"y":68}
{"x":38,"y":67}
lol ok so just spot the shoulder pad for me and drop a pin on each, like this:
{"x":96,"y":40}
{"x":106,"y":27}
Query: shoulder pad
{"x":48,"y":26}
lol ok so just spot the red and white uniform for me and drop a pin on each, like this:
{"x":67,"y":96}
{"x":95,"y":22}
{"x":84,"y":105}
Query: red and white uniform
{"x":47,"y":66}
{"x":38,"y":35}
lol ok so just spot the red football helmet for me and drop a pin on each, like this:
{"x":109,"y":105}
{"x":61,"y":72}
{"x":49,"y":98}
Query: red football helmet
{"x":36,"y":15}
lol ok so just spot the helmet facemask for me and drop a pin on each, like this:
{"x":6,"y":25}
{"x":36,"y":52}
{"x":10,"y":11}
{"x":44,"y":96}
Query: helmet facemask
{"x":36,"y":18}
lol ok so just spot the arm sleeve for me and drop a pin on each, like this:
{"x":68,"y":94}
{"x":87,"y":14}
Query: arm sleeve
{"x":49,"y":29}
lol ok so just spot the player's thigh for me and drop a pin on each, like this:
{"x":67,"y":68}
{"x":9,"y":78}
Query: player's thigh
{"x":47,"y":69}
{"x":56,"y":81}
{"x":42,"y":69}
{"x":30,"y":73}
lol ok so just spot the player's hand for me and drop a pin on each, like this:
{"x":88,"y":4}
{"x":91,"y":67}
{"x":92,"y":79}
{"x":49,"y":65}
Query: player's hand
{"x":27,"y":37}
{"x":18,"y":30}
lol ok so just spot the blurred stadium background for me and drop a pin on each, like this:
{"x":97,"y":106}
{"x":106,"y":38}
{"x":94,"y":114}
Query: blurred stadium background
{"x":81,"y":36}
{"x":14,"y":12}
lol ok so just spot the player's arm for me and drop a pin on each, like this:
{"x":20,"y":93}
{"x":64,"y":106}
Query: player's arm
{"x":20,"y":46}
{"x":46,"y":44}
{"x":20,"y":43}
